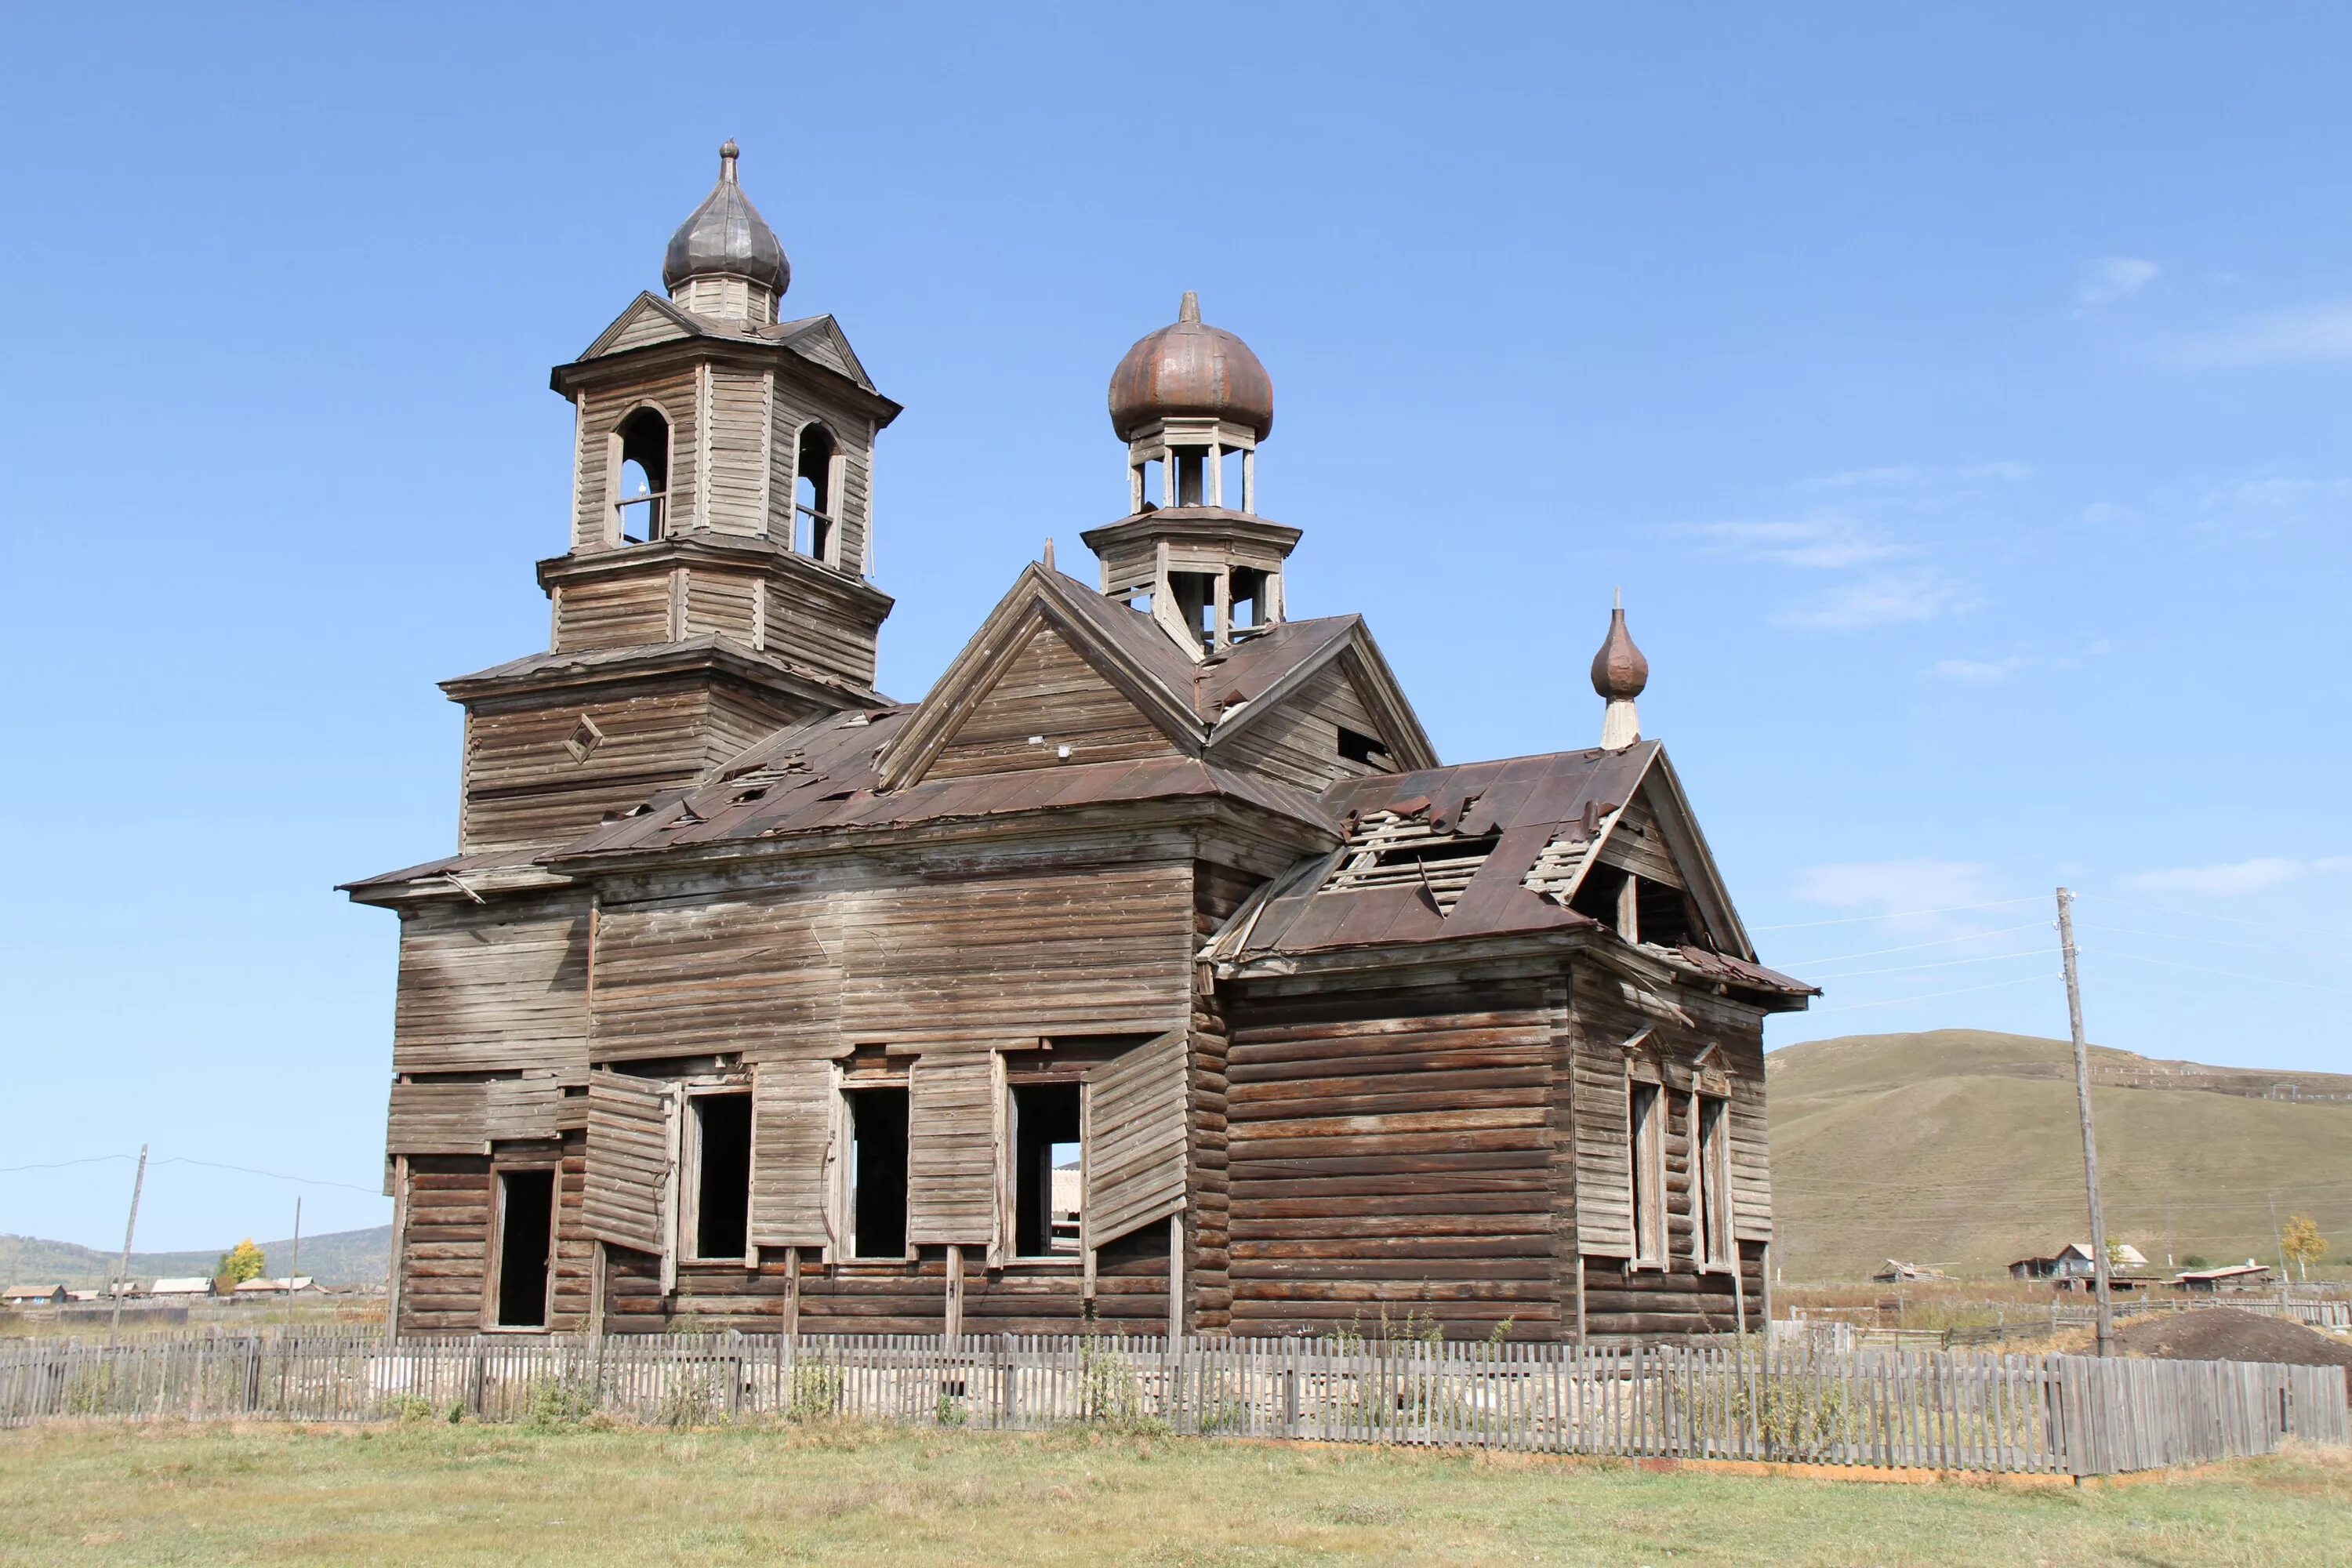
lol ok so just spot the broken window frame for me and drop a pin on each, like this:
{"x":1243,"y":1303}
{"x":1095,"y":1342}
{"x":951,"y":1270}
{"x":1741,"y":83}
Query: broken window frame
{"x":690,"y":1174}
{"x":495,"y":1249}
{"x":816,"y":462}
{"x":1645,"y":1135}
{"x":622,"y":449}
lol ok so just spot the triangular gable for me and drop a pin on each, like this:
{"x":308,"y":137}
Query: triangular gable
{"x":820,"y":339}
{"x":1345,"y":682}
{"x":1039,"y":600}
{"x":1047,"y":708}
{"x":1654,"y":832}
{"x":649,"y":319}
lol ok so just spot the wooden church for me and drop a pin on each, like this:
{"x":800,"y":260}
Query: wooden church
{"x":1152,"y":972}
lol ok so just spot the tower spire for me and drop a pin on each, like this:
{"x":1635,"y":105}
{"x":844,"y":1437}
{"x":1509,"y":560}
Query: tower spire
{"x":1618,"y":674}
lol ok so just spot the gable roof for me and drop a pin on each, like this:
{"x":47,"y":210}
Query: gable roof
{"x":1538,"y":820}
{"x":1197,"y":704}
{"x":650,"y":318}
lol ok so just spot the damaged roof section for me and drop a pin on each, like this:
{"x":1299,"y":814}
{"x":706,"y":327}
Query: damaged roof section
{"x":1495,"y":849}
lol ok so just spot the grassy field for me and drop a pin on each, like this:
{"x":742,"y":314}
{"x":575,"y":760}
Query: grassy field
{"x":440,"y":1495}
{"x":1962,"y":1150}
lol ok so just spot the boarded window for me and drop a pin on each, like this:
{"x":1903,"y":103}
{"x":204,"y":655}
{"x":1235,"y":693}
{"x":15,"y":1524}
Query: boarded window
{"x":1604,"y":1163}
{"x":951,"y":1162}
{"x":1046,"y":1137}
{"x":719,"y":1209}
{"x":1133,"y":1170}
{"x":526,"y":1238}
{"x":1711,"y":1183}
{"x":1647,"y":1145}
{"x":878,"y":1173}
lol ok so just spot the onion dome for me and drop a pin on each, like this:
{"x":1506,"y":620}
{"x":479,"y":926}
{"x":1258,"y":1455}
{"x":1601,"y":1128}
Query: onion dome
{"x":1618,"y":670}
{"x":1191,"y":370}
{"x":726,"y":235}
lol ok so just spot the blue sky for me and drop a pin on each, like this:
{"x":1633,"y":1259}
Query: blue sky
{"x":1960,"y":399}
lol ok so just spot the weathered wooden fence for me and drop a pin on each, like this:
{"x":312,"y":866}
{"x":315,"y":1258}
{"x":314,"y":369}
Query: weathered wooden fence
{"x":1787,"y":1401}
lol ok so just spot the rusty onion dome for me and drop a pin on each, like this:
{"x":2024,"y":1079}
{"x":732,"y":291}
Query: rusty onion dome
{"x":1190,"y":370}
{"x":1618,"y":670}
{"x":726,"y":236}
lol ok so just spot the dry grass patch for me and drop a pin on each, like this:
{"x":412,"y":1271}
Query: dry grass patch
{"x":439,"y":1495}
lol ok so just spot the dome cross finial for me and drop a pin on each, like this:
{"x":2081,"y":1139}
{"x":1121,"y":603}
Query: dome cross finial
{"x":727,"y":153}
{"x":1190,"y":309}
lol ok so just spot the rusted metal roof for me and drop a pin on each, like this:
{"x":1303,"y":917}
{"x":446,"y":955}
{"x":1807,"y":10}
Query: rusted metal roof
{"x":1190,"y":369}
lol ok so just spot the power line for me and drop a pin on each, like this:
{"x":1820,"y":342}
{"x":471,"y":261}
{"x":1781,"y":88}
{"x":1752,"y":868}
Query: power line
{"x":2203,"y":915}
{"x":188,"y":1159}
{"x":61,"y":1164}
{"x":1897,"y":915}
{"x":1915,"y":946}
{"x":1927,"y":995}
{"x":1942,"y":963}
{"x":2219,"y":942}
{"x":2227,"y":974}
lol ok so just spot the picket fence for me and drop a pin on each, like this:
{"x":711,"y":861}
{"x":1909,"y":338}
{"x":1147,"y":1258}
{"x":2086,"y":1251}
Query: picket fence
{"x":1786,"y":1400}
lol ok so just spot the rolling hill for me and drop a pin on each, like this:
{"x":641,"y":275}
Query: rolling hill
{"x":340,"y":1258}
{"x":1962,"y":1150}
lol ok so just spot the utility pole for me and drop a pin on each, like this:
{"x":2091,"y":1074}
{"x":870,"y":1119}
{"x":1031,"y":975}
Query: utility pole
{"x":2090,"y":1139}
{"x":122,"y":1274}
{"x":293,"y":1262}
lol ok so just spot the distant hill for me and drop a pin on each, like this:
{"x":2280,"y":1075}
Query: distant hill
{"x":337,"y":1257}
{"x":1962,"y":1149}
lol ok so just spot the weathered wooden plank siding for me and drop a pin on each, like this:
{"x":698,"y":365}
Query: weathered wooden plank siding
{"x":614,"y":611}
{"x":1392,"y":1152}
{"x":1049,"y":692}
{"x":819,"y":626}
{"x":444,"y":1247}
{"x":493,"y":988}
{"x":752,"y":974}
{"x":725,"y":602}
{"x":736,"y":450}
{"x":675,"y":395}
{"x":1217,"y":892}
{"x":1298,"y":743}
{"x":951,"y":1150}
{"x":628,"y":1195}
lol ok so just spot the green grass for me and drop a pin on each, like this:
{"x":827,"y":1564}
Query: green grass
{"x":441,"y":1495}
{"x":1962,"y":1150}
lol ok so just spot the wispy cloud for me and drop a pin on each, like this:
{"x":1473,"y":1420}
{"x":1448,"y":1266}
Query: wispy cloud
{"x":1817,"y":544}
{"x":2107,"y":278}
{"x":2308,"y":334}
{"x":1881,"y":599}
{"x":2236,"y":877}
{"x":1895,"y":884}
{"x":1912,"y":476}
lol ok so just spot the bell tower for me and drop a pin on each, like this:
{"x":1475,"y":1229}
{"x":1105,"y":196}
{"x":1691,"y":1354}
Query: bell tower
{"x":1193,"y":402}
{"x":715,"y":586}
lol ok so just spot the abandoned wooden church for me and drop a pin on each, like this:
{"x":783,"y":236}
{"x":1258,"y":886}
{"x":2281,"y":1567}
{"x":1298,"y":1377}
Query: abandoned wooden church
{"x":1150,"y":972}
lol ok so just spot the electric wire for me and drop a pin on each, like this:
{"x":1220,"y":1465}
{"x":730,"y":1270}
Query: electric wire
{"x":1900,"y":914}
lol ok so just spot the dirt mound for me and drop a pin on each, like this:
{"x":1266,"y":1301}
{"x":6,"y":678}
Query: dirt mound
{"x":2225,"y":1333}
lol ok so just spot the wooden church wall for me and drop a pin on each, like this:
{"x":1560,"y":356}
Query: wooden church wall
{"x":1391,"y":1152}
{"x":1299,"y":744}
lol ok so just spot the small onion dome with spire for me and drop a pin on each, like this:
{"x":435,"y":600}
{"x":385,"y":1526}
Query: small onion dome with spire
{"x":1618,"y":674}
{"x":726,"y":238}
{"x":1190,"y":370}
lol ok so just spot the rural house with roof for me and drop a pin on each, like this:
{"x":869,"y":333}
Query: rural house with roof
{"x":754,"y":999}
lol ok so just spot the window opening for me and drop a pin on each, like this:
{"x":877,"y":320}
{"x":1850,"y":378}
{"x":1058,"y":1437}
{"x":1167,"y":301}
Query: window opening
{"x":1599,"y":894}
{"x":1196,"y":602}
{"x":1711,"y":1183}
{"x":1663,"y":914}
{"x":644,"y":499}
{"x":1390,"y":851}
{"x":812,"y":498}
{"x":526,"y":1226}
{"x":1368,"y":751}
{"x":1228,"y":488}
{"x":878,"y":1173}
{"x":1045,"y":1154}
{"x":1249,"y":588}
{"x":1190,"y":463}
{"x":1648,"y":1141}
{"x":722,"y":1175}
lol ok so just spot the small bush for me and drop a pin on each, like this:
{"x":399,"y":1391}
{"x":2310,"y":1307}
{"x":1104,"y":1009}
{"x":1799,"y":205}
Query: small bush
{"x":560,"y":1404}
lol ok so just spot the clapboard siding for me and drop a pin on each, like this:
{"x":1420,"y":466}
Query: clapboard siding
{"x":438,"y":1118}
{"x":614,"y":611}
{"x":444,"y":1244}
{"x":493,"y":988}
{"x":750,"y":975}
{"x":952,"y":1153}
{"x":816,"y":622}
{"x":727,"y":603}
{"x":1092,"y":949}
{"x":1050,"y":695}
{"x":1391,"y":1153}
{"x":674,"y":394}
{"x":738,"y":451}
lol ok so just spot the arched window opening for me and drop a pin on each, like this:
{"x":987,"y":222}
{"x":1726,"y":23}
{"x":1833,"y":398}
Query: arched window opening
{"x":642,"y":501}
{"x":814,"y":511}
